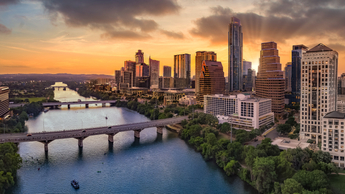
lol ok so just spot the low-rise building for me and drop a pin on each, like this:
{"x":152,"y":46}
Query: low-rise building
{"x":188,"y":100}
{"x":243,"y":111}
{"x":333,"y":136}
{"x":4,"y":102}
{"x":174,"y":95}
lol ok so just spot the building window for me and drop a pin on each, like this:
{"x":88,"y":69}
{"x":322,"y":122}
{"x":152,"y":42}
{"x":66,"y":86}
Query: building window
{"x":336,"y":157}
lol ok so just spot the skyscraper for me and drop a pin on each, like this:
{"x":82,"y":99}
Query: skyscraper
{"x":212,"y":79}
{"x":139,"y":57}
{"x":288,"y":75}
{"x":296,"y":57}
{"x":131,"y":66}
{"x":270,"y":82}
{"x":117,"y":78}
{"x":166,"y":71}
{"x":235,"y":51}
{"x":246,"y":65}
{"x":142,"y":70}
{"x":154,"y":73}
{"x":201,"y":56}
{"x":182,"y":67}
{"x":318,"y":92}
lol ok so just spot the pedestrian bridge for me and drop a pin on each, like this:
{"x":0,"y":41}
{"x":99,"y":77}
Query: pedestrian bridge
{"x":57,"y":104}
{"x":81,"y":134}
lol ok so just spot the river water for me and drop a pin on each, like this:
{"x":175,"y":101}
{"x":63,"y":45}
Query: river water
{"x":154,"y":164}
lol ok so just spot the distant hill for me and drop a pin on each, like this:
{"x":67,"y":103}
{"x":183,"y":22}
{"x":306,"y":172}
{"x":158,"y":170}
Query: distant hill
{"x":53,"y":77}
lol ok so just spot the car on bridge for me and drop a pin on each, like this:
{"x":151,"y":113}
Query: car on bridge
{"x":29,"y":134}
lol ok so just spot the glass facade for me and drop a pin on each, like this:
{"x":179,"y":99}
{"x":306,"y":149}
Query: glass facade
{"x":235,"y":52}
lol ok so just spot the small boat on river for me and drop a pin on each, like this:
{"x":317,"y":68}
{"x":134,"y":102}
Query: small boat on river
{"x":75,"y":184}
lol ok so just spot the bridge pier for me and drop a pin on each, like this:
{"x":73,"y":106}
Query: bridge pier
{"x":80,"y":141}
{"x":111,"y":137}
{"x":86,"y":105}
{"x":160,"y":130}
{"x":137,"y":133}
{"x":68,"y":106}
{"x":46,"y":142}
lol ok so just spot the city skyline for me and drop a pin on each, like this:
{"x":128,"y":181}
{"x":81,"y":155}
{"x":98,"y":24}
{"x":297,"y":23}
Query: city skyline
{"x":46,"y":38}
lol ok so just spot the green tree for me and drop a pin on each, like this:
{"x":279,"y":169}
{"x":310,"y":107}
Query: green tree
{"x":225,"y":127}
{"x":291,"y":186}
{"x":222,"y":158}
{"x":231,"y":167}
{"x":211,"y":139}
{"x":313,"y":180}
{"x":268,"y":148}
{"x":284,"y":128}
{"x":235,"y":150}
{"x":264,"y":174}
{"x":277,"y":188}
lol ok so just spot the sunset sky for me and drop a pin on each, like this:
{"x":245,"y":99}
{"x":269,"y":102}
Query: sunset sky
{"x":97,"y":36}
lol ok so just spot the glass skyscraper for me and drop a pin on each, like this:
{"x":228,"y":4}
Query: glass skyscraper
{"x":235,"y":52}
{"x":296,"y":56}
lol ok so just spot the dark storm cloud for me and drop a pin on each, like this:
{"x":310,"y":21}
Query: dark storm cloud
{"x":8,"y":2}
{"x":175,"y":35}
{"x":280,"y":20}
{"x":4,"y":30}
{"x":114,"y":17}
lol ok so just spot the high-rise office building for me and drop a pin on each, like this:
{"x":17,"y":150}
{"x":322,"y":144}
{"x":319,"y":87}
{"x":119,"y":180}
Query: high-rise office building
{"x":212,"y":79}
{"x":127,"y":78}
{"x":166,"y":71}
{"x":270,"y":81}
{"x":201,"y":56}
{"x":318,"y":92}
{"x":235,"y":51}
{"x":117,"y":78}
{"x":131,"y":66}
{"x":154,"y":73}
{"x":246,"y":65}
{"x":248,"y":86}
{"x":182,"y":68}
{"x":139,"y":57}
{"x":142,"y":70}
{"x":288,"y":75}
{"x":4,"y":102}
{"x":296,"y":60}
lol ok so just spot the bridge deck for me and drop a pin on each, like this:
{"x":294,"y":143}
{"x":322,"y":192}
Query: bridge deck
{"x":78,"y":133}
{"x":46,"y":104}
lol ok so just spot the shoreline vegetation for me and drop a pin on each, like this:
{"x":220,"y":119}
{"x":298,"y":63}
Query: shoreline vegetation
{"x":264,"y":167}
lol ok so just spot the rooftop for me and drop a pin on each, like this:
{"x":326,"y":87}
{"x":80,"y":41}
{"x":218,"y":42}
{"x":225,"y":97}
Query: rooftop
{"x":287,"y":143}
{"x":335,"y":115}
{"x":319,"y":48}
{"x":4,"y":88}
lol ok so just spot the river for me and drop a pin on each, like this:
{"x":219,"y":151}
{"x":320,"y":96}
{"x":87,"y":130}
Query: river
{"x":154,"y":164}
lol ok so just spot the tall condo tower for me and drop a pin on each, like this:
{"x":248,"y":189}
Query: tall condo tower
{"x":235,"y":52}
{"x":154,"y":73}
{"x":270,"y":82}
{"x":296,"y":63}
{"x":182,"y":67}
{"x":201,"y":56}
{"x":318,"y":91}
{"x":288,"y":76}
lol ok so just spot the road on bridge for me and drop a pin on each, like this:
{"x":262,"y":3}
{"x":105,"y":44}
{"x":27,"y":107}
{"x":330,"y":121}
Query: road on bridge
{"x":83,"y":133}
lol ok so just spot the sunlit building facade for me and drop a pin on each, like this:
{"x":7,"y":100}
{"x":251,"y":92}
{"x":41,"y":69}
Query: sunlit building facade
{"x":154,"y":73}
{"x":201,"y":56}
{"x":166,"y":71}
{"x":4,"y":102}
{"x":318,"y":90}
{"x":182,"y":68}
{"x":212,"y":79}
{"x":270,"y":82}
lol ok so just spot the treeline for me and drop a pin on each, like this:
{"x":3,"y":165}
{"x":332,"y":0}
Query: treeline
{"x":16,"y":123}
{"x":265,"y":167}
{"x":30,"y":90}
{"x":9,"y":164}
{"x":85,"y":91}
